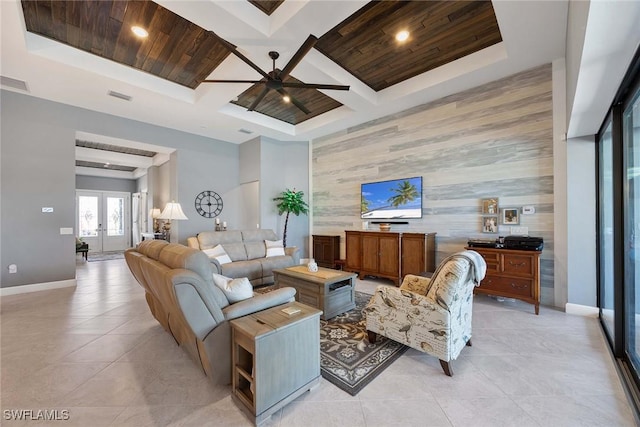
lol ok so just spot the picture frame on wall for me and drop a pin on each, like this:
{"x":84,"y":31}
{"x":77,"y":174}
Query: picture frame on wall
{"x":490,"y":206}
{"x":490,"y":224}
{"x":510,"y":216}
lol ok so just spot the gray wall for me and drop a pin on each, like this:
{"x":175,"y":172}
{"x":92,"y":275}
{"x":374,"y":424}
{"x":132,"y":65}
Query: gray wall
{"x":495,"y":140}
{"x":285,"y":165}
{"x":98,"y":183}
{"x":38,"y":170}
{"x":581,"y":226}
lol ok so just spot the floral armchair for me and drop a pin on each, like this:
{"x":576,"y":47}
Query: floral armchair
{"x":431,"y":315}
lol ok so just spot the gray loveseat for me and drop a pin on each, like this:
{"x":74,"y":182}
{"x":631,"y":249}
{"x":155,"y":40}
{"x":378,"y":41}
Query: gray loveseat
{"x":184,"y":299}
{"x":247,"y":251}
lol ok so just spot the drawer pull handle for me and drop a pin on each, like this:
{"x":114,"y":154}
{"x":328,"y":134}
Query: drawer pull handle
{"x":523,"y":286}
{"x":519,"y":264}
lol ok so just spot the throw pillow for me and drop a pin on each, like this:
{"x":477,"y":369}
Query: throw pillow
{"x":274,"y":248}
{"x":234,"y":289}
{"x":218,"y":253}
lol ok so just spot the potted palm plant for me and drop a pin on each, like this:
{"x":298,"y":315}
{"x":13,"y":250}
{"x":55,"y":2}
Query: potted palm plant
{"x":290,"y":202}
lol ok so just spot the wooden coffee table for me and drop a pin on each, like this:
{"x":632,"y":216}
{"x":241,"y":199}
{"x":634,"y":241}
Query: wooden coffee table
{"x":331,"y":291}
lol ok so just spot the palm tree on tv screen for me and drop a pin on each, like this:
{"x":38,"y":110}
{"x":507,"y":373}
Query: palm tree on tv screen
{"x":405,"y":192}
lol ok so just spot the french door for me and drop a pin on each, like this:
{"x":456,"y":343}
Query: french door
{"x":103,"y":219}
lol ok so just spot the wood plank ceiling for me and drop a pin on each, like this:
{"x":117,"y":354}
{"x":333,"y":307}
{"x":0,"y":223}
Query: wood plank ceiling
{"x":272,"y":105}
{"x":267,"y":6}
{"x":363,"y":44}
{"x":440,"y":32}
{"x":176,"y":49}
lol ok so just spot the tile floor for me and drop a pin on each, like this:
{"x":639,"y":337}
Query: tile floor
{"x":96,"y":352}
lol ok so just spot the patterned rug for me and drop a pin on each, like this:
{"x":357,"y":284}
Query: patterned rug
{"x":105,"y":256}
{"x":347,"y":359}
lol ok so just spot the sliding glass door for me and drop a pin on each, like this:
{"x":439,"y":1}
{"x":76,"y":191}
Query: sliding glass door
{"x":631,"y":141}
{"x":606,"y":222}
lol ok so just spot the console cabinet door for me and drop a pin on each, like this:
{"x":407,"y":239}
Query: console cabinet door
{"x":353,"y":251}
{"x":370,"y":252}
{"x":389,"y":255}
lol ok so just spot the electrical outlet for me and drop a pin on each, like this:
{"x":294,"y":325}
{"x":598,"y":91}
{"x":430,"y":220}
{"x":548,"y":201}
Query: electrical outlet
{"x":13,"y":269}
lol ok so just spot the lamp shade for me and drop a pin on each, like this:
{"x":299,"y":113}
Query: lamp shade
{"x":155,"y":213}
{"x":172,"y":211}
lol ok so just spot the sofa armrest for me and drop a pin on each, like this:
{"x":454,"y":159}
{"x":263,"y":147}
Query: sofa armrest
{"x":293,"y":252}
{"x":193,"y":242}
{"x":215,"y":266}
{"x":259,"y":302}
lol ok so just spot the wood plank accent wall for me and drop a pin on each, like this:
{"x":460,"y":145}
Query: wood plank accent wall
{"x":494,"y":140}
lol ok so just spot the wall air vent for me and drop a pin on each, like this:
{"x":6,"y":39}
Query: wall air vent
{"x":14,"y":83}
{"x":119,"y":95}
{"x":245,"y":131}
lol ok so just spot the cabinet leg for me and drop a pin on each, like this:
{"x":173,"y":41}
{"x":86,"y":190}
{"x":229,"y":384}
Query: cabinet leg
{"x":469,"y":342}
{"x":372,"y":337}
{"x":537,"y":308}
{"x":446,"y":367}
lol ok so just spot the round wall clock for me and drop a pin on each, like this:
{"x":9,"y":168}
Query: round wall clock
{"x":209,"y":204}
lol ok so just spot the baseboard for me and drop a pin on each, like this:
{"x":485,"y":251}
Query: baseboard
{"x":581,"y":310}
{"x":23,"y":289}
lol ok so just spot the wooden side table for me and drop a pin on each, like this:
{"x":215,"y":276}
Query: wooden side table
{"x":276,"y":358}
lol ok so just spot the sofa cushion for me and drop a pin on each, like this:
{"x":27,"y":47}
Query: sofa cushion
{"x":210,"y":239}
{"x":272,"y":263}
{"x":236,"y":251}
{"x":249,"y":269}
{"x":258,"y":235}
{"x":274,"y":248}
{"x":255,"y":250}
{"x":218,"y":253}
{"x":234,"y":289}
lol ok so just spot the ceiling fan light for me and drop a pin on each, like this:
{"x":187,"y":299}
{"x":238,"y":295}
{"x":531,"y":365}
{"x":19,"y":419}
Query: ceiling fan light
{"x":139,"y":31}
{"x":402,"y":36}
{"x":286,"y":98}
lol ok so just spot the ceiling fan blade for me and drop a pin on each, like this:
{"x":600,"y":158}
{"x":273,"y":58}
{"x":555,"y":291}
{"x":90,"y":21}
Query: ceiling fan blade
{"x":257,"y":101}
{"x":233,"y":49}
{"x":233,"y":81}
{"x":297,"y":57}
{"x":314,"y":86}
{"x":295,"y":102}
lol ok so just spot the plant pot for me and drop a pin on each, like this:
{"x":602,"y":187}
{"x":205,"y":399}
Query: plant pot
{"x":385,"y":227}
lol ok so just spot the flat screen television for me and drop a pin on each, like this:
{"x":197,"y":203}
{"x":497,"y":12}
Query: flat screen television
{"x":394,"y":199}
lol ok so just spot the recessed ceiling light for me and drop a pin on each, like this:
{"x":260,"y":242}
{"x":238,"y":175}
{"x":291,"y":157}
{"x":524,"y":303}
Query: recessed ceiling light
{"x":106,"y":165}
{"x":139,"y":31}
{"x":286,"y":98}
{"x":402,"y":36}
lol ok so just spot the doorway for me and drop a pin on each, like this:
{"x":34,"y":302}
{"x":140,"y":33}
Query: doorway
{"x":103,"y":219}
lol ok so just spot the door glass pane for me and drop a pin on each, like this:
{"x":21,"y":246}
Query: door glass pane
{"x":115,"y":216}
{"x":88,"y":216}
{"x":631,"y":140}
{"x":606,"y":231}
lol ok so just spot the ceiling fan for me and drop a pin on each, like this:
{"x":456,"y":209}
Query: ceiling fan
{"x":274,"y":80}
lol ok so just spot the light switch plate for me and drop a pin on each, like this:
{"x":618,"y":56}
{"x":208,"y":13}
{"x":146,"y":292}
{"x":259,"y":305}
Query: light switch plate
{"x":520,"y":231}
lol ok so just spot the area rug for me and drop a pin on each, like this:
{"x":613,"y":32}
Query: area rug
{"x":105,"y":256}
{"x":347,"y":359}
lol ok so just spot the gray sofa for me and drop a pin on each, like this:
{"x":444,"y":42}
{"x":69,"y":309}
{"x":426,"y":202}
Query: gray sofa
{"x":247,"y":251}
{"x":182,"y":296}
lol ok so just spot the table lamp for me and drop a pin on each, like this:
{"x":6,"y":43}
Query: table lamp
{"x":155,"y":214}
{"x":171,"y":211}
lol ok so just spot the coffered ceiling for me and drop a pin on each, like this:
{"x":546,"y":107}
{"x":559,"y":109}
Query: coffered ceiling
{"x":81,"y":52}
